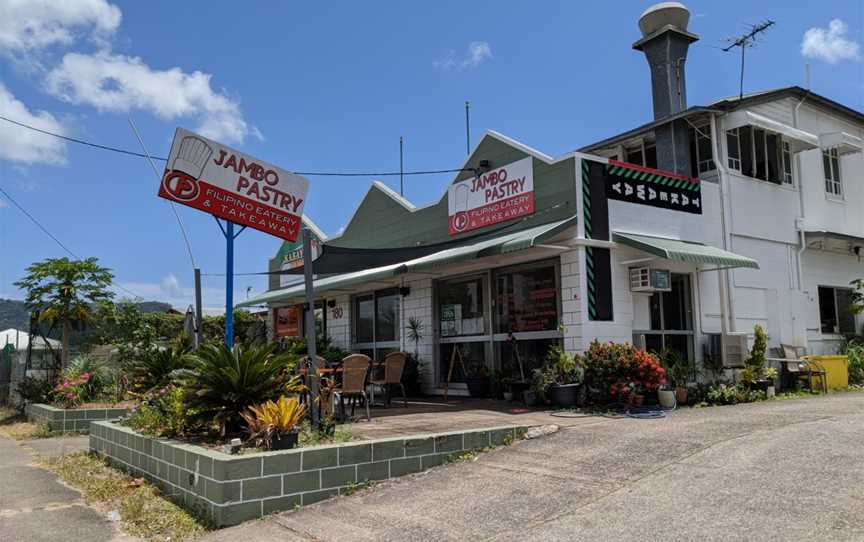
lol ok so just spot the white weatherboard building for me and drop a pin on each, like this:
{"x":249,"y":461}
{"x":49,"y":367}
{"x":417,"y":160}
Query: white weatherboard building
{"x":683,"y":233}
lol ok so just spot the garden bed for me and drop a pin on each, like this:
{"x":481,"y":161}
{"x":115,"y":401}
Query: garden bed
{"x":228,"y":489}
{"x":71,"y":420}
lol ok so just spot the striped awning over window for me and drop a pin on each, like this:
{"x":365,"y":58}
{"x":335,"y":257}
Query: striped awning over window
{"x":684,"y":251}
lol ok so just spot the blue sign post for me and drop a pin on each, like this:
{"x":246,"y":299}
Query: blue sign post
{"x":228,"y":232}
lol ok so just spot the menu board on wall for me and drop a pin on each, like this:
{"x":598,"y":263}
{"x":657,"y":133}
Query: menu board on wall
{"x":451,"y":320}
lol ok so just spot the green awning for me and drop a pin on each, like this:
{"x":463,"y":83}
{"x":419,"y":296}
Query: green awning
{"x":494,"y":246}
{"x":684,"y":251}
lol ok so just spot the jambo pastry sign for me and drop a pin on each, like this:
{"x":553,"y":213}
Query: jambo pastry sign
{"x":498,"y":195}
{"x":223,"y":182}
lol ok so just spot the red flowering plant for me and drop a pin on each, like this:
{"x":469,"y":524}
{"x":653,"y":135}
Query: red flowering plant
{"x":618,"y":370}
{"x":72,"y":390}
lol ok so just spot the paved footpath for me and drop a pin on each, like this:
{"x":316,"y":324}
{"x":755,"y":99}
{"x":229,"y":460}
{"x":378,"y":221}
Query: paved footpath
{"x":784,"y":470}
{"x":35,"y":506}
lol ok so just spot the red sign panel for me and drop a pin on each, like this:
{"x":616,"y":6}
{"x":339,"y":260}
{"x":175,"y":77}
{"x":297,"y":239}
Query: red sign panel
{"x":288,"y":322}
{"x":499,"y":195}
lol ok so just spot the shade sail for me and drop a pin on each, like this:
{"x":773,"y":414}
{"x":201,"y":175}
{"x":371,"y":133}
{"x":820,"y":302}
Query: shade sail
{"x":799,"y":140}
{"x":494,"y":246}
{"x":684,"y":251}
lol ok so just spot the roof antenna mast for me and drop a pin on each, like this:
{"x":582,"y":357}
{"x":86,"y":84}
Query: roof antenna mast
{"x":467,"y":129}
{"x":744,"y":41}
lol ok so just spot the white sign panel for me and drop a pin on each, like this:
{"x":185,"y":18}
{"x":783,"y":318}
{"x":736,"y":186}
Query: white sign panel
{"x":219,"y":180}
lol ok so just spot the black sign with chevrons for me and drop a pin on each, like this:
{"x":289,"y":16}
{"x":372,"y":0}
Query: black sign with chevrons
{"x":644,"y":186}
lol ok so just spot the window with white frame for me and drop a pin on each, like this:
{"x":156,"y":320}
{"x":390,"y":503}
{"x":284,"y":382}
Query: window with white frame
{"x":760,"y":154}
{"x":831,"y":165}
{"x":701,"y":151}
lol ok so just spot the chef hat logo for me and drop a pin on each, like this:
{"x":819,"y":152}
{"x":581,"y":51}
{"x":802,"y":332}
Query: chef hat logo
{"x":192,"y":156}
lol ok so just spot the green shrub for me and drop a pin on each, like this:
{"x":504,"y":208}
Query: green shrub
{"x":35,"y":390}
{"x":221,"y":383}
{"x":152,"y":368}
{"x":162,"y":413}
{"x":855,"y":355}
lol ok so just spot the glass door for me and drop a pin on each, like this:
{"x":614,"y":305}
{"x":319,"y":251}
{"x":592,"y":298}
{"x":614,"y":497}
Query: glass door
{"x":671,"y":319}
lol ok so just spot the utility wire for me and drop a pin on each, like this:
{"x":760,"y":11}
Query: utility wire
{"x":173,"y":206}
{"x":163,"y":159}
{"x":51,"y":235}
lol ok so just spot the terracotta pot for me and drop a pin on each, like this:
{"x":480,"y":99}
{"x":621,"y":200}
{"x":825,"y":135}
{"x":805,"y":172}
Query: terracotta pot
{"x":681,"y":395}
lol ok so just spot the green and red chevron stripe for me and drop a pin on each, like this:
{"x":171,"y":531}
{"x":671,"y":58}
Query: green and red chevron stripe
{"x":646,"y":174}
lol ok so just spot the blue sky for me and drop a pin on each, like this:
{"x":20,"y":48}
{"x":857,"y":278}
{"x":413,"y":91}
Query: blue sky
{"x":332,"y":86}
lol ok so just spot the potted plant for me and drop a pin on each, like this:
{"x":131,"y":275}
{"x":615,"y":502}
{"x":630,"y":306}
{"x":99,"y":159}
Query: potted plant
{"x":275,"y":424}
{"x":677,"y":370}
{"x":770,"y":375}
{"x":666,"y":397}
{"x":477,"y":379}
{"x":754,"y":366}
{"x":566,"y":374}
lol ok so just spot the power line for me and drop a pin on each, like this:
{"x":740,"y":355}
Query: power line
{"x":51,"y":235}
{"x":173,"y":205}
{"x":163,"y":159}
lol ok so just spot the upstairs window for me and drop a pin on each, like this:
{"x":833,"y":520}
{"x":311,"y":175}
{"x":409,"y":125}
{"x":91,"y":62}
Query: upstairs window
{"x":759,"y":154}
{"x":701,"y":151}
{"x":831,"y":165}
{"x":642,"y":154}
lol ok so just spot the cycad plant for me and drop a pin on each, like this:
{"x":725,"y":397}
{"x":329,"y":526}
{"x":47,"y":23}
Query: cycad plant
{"x":153,"y":368}
{"x":222,"y":383}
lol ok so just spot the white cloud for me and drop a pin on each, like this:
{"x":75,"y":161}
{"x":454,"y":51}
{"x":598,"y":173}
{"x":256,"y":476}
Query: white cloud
{"x":477,"y":53}
{"x":29,"y":25}
{"x":120,"y":84}
{"x":829,"y":44}
{"x":27,"y":146}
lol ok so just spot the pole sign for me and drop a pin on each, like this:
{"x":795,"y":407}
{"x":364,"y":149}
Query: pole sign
{"x":499,"y":195}
{"x":645,"y":186}
{"x":219,"y":180}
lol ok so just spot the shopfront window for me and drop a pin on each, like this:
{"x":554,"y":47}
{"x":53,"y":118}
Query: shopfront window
{"x":460,"y":307}
{"x":511,"y":332}
{"x":526,"y":300}
{"x":376,"y":323}
{"x":835,"y":310}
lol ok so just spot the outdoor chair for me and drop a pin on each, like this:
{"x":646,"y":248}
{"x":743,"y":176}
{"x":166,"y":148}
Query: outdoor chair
{"x":355,"y":367}
{"x":320,"y":363}
{"x":394,"y":365}
{"x":795,"y":367}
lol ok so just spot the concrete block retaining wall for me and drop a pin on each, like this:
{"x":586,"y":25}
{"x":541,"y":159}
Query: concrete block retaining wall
{"x":70,"y":420}
{"x":230,"y":489}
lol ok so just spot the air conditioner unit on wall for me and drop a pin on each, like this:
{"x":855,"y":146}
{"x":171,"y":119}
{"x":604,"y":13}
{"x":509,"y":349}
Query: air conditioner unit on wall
{"x":647,"y":279}
{"x":737,"y":347}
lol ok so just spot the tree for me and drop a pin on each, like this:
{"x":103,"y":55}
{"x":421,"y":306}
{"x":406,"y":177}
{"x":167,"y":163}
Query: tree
{"x":65,"y":292}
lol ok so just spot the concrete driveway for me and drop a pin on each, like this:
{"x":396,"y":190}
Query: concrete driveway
{"x":35,"y":506}
{"x":784,"y":470}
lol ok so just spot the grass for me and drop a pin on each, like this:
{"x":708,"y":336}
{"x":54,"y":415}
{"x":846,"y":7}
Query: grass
{"x":14,"y":425}
{"x":308,"y":437}
{"x":144,"y":512}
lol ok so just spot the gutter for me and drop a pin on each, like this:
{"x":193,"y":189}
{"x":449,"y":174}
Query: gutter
{"x":799,"y":223}
{"x":727,"y":321}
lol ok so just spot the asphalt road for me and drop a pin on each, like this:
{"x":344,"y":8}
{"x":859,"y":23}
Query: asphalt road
{"x":784,"y":470}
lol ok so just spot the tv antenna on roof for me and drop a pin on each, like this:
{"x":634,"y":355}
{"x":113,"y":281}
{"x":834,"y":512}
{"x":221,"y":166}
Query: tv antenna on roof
{"x":744,"y":41}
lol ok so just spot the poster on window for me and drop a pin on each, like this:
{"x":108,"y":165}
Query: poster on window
{"x":645,"y":186}
{"x":288,"y":322}
{"x":498,"y":195}
{"x":451,"y":320}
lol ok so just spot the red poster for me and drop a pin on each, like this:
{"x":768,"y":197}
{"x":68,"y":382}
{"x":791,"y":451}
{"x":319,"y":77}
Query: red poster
{"x":288,"y":322}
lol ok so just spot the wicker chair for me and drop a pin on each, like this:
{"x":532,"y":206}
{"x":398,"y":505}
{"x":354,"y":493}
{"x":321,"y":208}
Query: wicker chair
{"x":355,"y":367}
{"x":394,"y":364}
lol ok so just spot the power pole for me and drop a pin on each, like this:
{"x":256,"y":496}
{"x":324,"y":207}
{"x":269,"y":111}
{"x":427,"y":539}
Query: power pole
{"x":745,"y":41}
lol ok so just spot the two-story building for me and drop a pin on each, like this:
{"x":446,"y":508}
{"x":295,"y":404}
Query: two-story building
{"x":683,"y":233}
